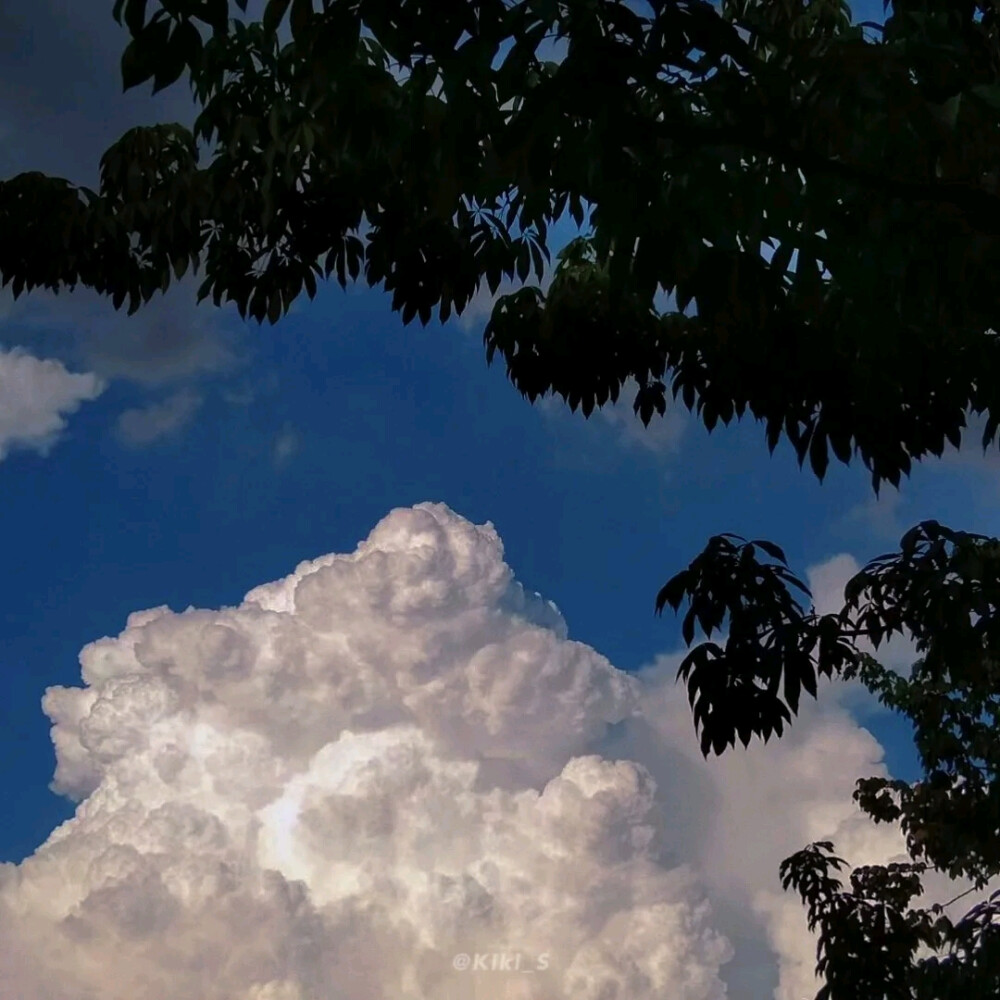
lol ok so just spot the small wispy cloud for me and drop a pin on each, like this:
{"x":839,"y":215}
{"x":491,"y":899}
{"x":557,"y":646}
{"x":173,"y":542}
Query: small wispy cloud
{"x":878,"y":516}
{"x":170,"y":340}
{"x":662,"y":436}
{"x":480,"y":306}
{"x":250,"y":390}
{"x":285,"y":445}
{"x":144,"y":425}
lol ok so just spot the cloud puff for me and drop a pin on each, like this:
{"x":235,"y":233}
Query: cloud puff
{"x":878,"y":516}
{"x":663,"y":435}
{"x":479,"y":308}
{"x":143,"y":425}
{"x":827,"y":581}
{"x":35,"y":398}
{"x":286,"y":443}
{"x":170,"y":339}
{"x":755,"y":807}
{"x":394,"y":758}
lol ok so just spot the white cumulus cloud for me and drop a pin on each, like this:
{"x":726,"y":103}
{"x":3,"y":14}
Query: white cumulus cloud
{"x":36,"y":396}
{"x":395,"y":758}
{"x":663,"y":435}
{"x":827,"y":581}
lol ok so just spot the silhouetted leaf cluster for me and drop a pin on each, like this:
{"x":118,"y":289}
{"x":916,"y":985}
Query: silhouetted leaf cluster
{"x":816,"y":201}
{"x":774,"y":650}
{"x":941,"y":591}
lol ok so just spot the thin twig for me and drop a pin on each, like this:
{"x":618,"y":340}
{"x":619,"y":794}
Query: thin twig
{"x":957,"y":898}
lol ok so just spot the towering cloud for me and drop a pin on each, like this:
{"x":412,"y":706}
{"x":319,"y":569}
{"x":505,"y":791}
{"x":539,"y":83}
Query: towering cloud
{"x":394,"y":764}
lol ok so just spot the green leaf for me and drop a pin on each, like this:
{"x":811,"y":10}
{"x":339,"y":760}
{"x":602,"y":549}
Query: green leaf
{"x":988,"y":93}
{"x":188,"y":42}
{"x":818,"y":455}
{"x":274,"y":307}
{"x":135,"y":14}
{"x":133,"y":69}
{"x":774,"y":551}
{"x":301,"y":19}
{"x":274,"y":14}
{"x":782,"y":257}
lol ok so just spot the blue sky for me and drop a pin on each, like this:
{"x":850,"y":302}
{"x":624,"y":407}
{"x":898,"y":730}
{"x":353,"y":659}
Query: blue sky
{"x":250,"y":449}
{"x":383,"y":417}
{"x":374,"y":416}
